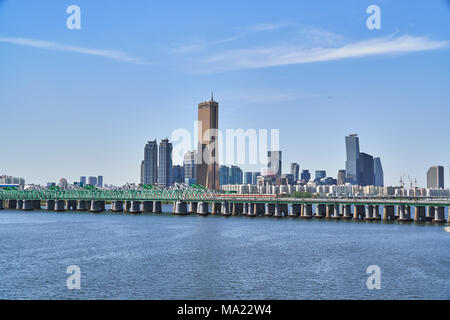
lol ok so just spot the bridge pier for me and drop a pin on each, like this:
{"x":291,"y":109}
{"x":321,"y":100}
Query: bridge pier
{"x":359,"y":213}
{"x":337,"y":214}
{"x":135,"y":207}
{"x":193,"y":207}
{"x":388,"y":213}
{"x":376,"y":213}
{"x":329,"y":211}
{"x":320,"y":211}
{"x":307,"y":211}
{"x":60,"y":205}
{"x":347,"y":214}
{"x":251,"y":209}
{"x":82,"y":205}
{"x":405,"y":214}
{"x":236,"y":209}
{"x":295,"y":210}
{"x":225,"y":209}
{"x":19,"y":204}
{"x":147,"y":206}
{"x":368,"y":212}
{"x":180,"y":208}
{"x":71,"y":205}
{"x":27,"y":205}
{"x":259,"y":209}
{"x":117,"y":206}
{"x":419,"y":214}
{"x":439,"y":215}
{"x":203,"y":208}
{"x":430,"y":214}
{"x":278,"y":211}
{"x":215,"y":208}
{"x":244,"y":209}
{"x":95,"y":206}
{"x":269,"y":209}
{"x":127,"y":206}
{"x":11,"y":204}
{"x":157,"y":208}
{"x":50,"y":205}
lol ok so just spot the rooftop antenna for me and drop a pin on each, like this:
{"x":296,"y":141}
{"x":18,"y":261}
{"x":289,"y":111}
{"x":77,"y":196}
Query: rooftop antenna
{"x":212,"y":96}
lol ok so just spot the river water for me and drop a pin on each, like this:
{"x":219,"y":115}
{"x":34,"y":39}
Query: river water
{"x":152,"y":256}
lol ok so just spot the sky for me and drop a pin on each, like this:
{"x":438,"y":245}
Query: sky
{"x":85,"y":102}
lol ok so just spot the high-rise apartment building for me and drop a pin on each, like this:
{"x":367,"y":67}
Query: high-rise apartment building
{"x":92,"y":181}
{"x":177,"y":174}
{"x":319,"y":174}
{"x":255,"y":176}
{"x":190,"y":168}
{"x":341,"y":177}
{"x":223,"y":175}
{"x":305,"y":175}
{"x":248,"y":178}
{"x":150,"y":170}
{"x":207,"y":164}
{"x":378,"y":172}
{"x":295,"y":170}
{"x":352,"y":163}
{"x":435,"y":177}
{"x":100,"y":181}
{"x":165,"y":163}
{"x":83,"y":180}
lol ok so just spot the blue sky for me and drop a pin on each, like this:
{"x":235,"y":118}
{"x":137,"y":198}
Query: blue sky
{"x":84,"y":102}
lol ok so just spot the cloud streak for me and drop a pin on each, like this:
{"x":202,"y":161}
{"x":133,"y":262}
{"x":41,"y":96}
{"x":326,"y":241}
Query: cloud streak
{"x":262,"y":57}
{"x":111,"y":54}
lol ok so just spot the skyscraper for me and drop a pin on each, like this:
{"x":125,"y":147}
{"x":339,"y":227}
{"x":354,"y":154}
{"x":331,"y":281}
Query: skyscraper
{"x":319,"y":174}
{"x":255,"y":177}
{"x":83,"y":180}
{"x":100,"y":181}
{"x":352,"y":163}
{"x":248,"y":178}
{"x":234,"y":175}
{"x":92,"y":181}
{"x":341,"y":177}
{"x":208,"y":167}
{"x":142,"y":171}
{"x":151,"y":163}
{"x":165,"y":163}
{"x":305,"y":175}
{"x":223,"y":175}
{"x":177,"y":174}
{"x":435,"y":177}
{"x":378,"y":173}
{"x":295,"y":170}
{"x":366,"y":169}
{"x":274,"y":163}
{"x":190,"y":168}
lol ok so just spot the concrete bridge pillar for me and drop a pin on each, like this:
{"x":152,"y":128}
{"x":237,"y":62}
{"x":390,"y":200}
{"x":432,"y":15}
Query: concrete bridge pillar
{"x":368,"y":212}
{"x":117,"y":206}
{"x":27,"y":205}
{"x":376,"y":213}
{"x":180,"y":208}
{"x":329,"y":211}
{"x":439,"y":215}
{"x":60,"y":205}
{"x":82,"y":205}
{"x":50,"y":205}
{"x":147,"y":206}
{"x":203,"y":208}
{"x":284,"y":209}
{"x":258,"y":209}
{"x":347,"y":214}
{"x":430,"y":214}
{"x":388,"y":213}
{"x":251,"y":209}
{"x":36,"y":204}
{"x":308,"y":211}
{"x":193,"y":207}
{"x":320,"y":211}
{"x":135,"y":207}
{"x":225,"y":209}
{"x":236,"y":209}
{"x":277,"y":210}
{"x":270,"y":209}
{"x":405,"y":214}
{"x":95,"y":206}
{"x":215,"y":208}
{"x":19,"y":204}
{"x":295,"y":210}
{"x":360,"y":212}
{"x":127,"y":206}
{"x":11,"y":204}
{"x":1,"y":205}
{"x":245,"y":209}
{"x":157,"y":207}
{"x":419,"y":214}
{"x":337,"y":214}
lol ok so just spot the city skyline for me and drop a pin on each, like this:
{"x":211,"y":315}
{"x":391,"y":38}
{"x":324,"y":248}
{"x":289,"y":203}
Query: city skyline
{"x":57,"y":88}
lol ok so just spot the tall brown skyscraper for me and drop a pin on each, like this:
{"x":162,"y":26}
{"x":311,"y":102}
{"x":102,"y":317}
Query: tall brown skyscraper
{"x":207,"y":165}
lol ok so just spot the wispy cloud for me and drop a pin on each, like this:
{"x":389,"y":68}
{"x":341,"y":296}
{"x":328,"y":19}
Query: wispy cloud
{"x":112,"y":54}
{"x":270,"y":56}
